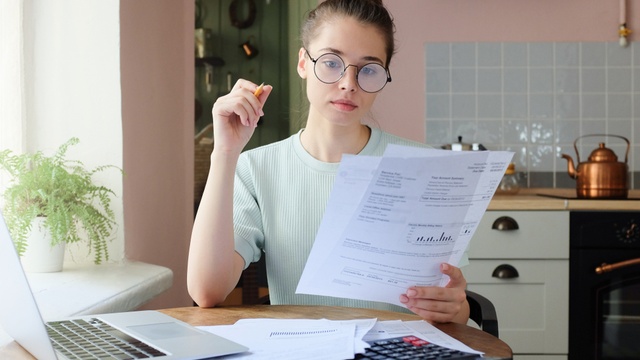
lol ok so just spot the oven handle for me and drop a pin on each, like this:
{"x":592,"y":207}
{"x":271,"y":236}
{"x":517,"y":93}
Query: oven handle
{"x":610,"y":267}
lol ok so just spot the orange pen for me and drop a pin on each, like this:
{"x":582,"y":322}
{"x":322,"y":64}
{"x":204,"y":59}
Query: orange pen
{"x":258,"y":90}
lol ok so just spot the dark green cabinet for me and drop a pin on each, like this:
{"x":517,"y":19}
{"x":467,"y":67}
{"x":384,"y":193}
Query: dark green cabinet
{"x":269,"y":34}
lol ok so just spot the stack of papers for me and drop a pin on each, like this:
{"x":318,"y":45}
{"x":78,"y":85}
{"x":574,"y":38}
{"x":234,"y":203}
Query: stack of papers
{"x":392,"y":220}
{"x":322,"y":339}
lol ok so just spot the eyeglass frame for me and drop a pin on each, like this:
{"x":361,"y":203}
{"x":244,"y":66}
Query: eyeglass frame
{"x":344,"y":71}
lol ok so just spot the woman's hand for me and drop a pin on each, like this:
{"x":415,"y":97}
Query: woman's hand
{"x":440,"y":304}
{"x":236,"y":115}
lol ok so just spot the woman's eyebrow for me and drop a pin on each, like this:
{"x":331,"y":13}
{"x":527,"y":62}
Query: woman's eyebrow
{"x":336,"y":51}
{"x":329,"y":49}
{"x":373,"y":58}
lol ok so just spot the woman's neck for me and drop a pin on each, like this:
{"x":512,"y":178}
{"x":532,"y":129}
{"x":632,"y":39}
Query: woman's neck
{"x":329,"y":142}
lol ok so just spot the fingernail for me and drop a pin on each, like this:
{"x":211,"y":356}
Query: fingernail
{"x":412,"y":293}
{"x":444,"y":267}
{"x":261,"y":112}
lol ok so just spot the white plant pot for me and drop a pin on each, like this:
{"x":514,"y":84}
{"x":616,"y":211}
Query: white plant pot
{"x":40,"y":256}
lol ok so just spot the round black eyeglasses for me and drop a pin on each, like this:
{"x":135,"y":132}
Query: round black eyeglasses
{"x":329,"y":68}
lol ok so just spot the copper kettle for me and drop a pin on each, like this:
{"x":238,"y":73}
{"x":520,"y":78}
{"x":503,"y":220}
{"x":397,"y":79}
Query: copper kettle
{"x":603,"y":176}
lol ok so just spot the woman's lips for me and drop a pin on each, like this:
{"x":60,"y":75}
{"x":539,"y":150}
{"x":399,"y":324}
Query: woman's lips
{"x":344,"y":105}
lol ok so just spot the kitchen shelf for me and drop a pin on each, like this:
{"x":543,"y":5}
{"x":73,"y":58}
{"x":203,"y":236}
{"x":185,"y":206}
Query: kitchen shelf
{"x":212,"y":60}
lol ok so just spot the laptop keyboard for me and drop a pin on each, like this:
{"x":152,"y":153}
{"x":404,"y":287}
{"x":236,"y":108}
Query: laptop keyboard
{"x":94,"y":339}
{"x":411,"y":347}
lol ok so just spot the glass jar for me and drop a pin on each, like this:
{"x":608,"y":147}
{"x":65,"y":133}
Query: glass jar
{"x":509,"y":184}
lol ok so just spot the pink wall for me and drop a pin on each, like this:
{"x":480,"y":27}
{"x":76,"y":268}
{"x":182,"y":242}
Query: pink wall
{"x":157,"y":72}
{"x":400,"y":108}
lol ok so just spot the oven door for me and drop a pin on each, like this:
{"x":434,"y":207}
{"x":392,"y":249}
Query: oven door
{"x":607,"y":311}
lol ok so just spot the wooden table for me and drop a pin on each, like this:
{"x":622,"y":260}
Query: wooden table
{"x":474,"y":338}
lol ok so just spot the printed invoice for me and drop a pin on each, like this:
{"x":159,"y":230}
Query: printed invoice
{"x":392,"y":220}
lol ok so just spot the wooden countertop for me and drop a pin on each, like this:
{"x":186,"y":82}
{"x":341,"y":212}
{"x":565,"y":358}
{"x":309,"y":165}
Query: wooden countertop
{"x":476,"y":339}
{"x":560,"y":199}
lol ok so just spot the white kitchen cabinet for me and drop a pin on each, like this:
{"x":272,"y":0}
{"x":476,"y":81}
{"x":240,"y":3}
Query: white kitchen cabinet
{"x":532,"y":307}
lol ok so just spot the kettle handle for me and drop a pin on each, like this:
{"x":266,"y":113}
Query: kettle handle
{"x":626,"y":155}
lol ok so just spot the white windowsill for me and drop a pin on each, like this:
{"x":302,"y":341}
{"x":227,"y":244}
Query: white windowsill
{"x":93,"y":289}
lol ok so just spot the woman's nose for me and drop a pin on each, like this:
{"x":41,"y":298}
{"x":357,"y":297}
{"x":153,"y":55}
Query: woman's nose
{"x":349,"y":80}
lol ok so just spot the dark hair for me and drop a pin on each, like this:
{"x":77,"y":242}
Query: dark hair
{"x":369,"y":12}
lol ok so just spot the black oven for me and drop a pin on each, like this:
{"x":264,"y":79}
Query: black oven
{"x":604,"y":285}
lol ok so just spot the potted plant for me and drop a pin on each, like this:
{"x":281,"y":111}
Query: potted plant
{"x":62,"y":194}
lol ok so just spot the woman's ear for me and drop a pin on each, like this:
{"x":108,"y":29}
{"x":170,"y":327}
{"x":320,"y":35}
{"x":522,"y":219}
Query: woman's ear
{"x":302,"y":63}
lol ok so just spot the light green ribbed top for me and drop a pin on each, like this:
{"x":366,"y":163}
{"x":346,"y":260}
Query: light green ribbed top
{"x":280,"y":195}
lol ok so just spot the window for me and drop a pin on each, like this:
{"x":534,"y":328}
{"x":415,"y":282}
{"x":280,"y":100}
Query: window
{"x":12,"y":103}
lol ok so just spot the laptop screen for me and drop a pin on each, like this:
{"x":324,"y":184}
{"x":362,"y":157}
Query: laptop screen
{"x":19,"y":314}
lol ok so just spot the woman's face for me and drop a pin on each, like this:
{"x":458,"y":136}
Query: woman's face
{"x":343,"y":102}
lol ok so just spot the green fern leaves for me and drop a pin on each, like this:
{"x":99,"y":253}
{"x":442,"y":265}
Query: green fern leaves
{"x":62,"y":191}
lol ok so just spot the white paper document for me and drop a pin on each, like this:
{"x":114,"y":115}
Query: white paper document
{"x":392,"y":220}
{"x":282,"y":339}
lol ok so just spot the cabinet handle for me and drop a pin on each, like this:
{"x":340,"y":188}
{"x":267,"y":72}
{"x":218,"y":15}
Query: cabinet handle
{"x":505,"y":223}
{"x":505,"y":271}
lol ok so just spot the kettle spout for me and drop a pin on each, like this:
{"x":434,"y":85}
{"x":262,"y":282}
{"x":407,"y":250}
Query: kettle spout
{"x":570,"y":167}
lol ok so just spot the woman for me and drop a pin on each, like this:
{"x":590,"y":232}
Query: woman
{"x":272,"y":199}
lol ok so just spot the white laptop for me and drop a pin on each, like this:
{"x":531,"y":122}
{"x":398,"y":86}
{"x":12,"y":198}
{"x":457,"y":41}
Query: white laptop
{"x":161,"y":336}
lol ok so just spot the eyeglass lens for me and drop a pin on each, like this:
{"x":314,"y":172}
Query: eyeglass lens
{"x":329,"y":68}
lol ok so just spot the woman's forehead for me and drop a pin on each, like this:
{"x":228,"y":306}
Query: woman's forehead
{"x":350,"y":38}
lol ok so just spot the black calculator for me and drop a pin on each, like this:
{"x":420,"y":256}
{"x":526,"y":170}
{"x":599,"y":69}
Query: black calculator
{"x":411,"y":347}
